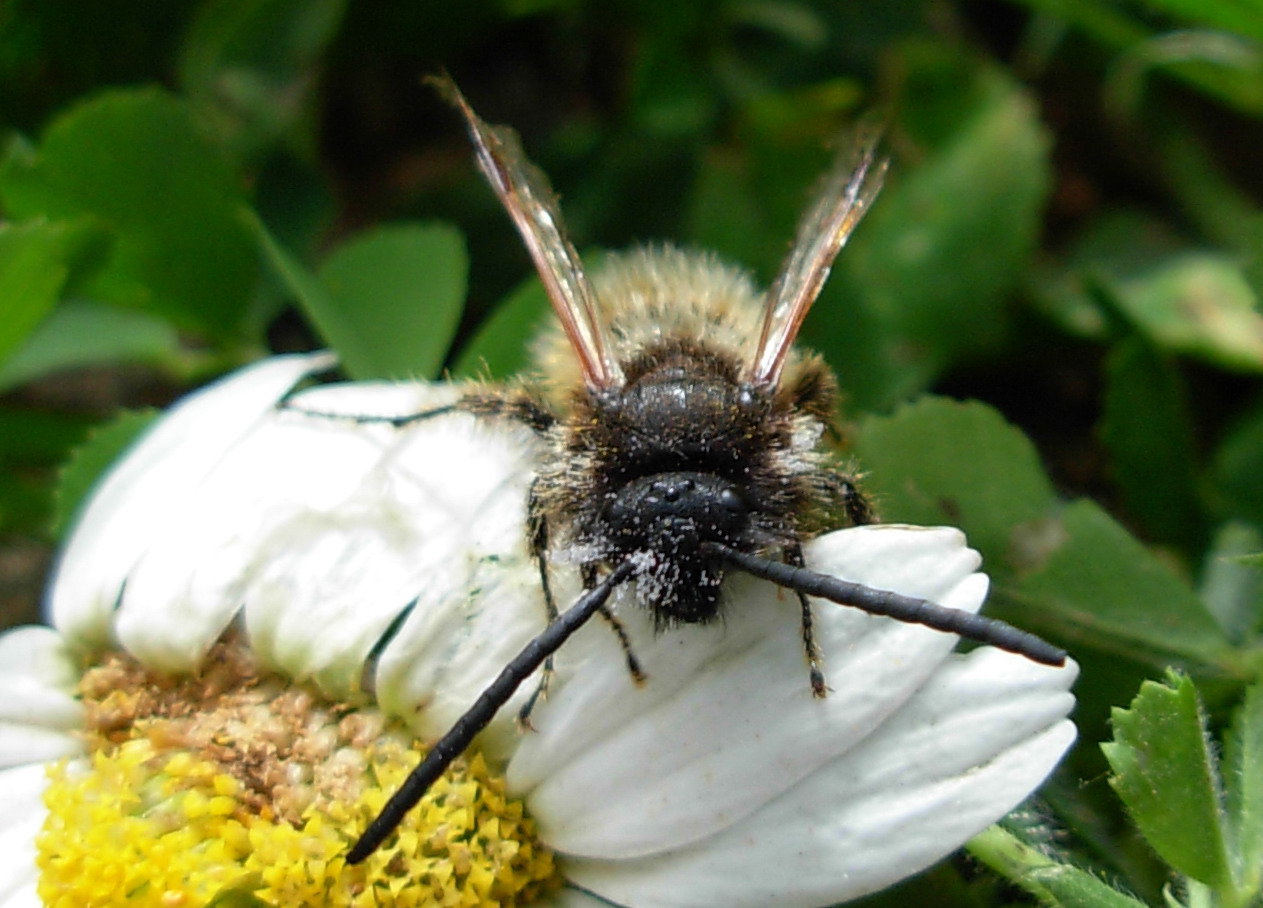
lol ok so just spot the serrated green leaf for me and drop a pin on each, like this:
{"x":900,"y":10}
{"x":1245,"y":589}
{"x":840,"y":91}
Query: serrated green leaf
{"x":36,"y":259}
{"x":1243,"y":775}
{"x":1053,"y":882}
{"x":30,"y":436}
{"x":940,"y":461}
{"x":85,"y":333}
{"x":1069,"y":887}
{"x":1147,"y":429}
{"x":393,"y":298}
{"x":134,"y":160}
{"x":91,"y":459}
{"x":1168,"y":778}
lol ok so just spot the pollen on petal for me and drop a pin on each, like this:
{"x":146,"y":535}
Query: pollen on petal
{"x":237,"y":784}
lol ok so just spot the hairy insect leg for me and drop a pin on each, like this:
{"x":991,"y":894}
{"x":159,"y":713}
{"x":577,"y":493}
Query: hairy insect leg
{"x":369,"y":419}
{"x":855,"y":504}
{"x":475,"y":719}
{"x":794,"y":556}
{"x":537,"y":530}
{"x":515,"y":404}
{"x":638,"y":675}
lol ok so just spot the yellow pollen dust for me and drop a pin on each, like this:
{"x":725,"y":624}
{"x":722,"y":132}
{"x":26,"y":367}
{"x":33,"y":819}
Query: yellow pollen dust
{"x":201,"y":791}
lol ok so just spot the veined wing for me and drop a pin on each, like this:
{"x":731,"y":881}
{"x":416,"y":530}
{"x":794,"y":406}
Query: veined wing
{"x":526,"y":195}
{"x":847,"y":190}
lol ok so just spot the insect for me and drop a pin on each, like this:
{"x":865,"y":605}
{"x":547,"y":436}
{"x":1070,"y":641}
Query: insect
{"x":686,"y":442}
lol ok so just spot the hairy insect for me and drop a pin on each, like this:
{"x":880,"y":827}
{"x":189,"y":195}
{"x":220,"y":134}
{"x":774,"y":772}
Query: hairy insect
{"x":682,"y":436}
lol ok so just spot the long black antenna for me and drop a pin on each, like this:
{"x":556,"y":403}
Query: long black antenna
{"x":882,"y":602}
{"x":475,"y":719}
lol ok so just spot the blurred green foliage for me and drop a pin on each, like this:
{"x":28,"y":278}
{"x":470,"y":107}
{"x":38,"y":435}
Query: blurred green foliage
{"x":1048,"y":329}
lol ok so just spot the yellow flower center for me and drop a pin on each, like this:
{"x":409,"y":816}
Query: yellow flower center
{"x":235,"y":788}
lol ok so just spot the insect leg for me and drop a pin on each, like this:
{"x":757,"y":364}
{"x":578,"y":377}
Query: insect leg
{"x":475,"y":719}
{"x":883,"y":602}
{"x":855,"y":504}
{"x":794,"y":557}
{"x":633,"y":664}
{"x":514,"y":403}
{"x":537,"y":528}
{"x":405,"y":419}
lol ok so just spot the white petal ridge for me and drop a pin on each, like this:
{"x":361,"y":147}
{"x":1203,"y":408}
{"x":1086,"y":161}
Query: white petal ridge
{"x":970,"y":746}
{"x":140,"y":497}
{"x":39,"y":712}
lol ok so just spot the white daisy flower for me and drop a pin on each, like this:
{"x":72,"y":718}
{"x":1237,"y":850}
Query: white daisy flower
{"x":260,"y":612}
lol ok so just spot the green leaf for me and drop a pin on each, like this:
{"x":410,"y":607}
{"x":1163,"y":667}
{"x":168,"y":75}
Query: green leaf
{"x":1184,"y":300}
{"x":1231,"y":586}
{"x":925,"y":281}
{"x":84,"y":333}
{"x":1238,"y":464}
{"x":1168,"y":778}
{"x":36,"y":259}
{"x":134,"y":160}
{"x":1110,"y":25}
{"x":940,"y":461}
{"x":29,"y":436}
{"x":90,"y":461}
{"x":1200,"y":304}
{"x":1227,"y":15}
{"x":1088,"y":579}
{"x":1147,"y":429}
{"x":1243,"y":757}
{"x":1069,"y":571}
{"x":398,"y":292}
{"x":724,"y":213}
{"x":1051,"y":881}
{"x":249,"y":65}
{"x":500,"y":347}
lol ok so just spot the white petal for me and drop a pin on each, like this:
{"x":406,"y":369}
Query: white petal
{"x":726,"y":721}
{"x":37,"y":680}
{"x":21,"y":744}
{"x":437,"y":525}
{"x":25,"y":895}
{"x":140,"y":497}
{"x":38,"y":709}
{"x":461,"y":483}
{"x":22,"y":815}
{"x":979,"y":737}
{"x":292,"y":484}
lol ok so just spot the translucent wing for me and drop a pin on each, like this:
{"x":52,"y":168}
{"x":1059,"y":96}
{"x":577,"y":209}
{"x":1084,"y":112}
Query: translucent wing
{"x":848,"y":188}
{"x":523,"y":189}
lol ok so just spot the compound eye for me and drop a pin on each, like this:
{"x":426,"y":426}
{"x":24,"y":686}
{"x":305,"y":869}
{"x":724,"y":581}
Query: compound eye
{"x":618,"y":513}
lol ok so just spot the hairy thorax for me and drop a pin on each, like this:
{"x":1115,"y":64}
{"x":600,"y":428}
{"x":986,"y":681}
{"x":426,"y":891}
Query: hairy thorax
{"x":683,"y":453}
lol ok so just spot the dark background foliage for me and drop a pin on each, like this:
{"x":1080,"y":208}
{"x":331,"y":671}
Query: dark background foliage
{"x":1047,"y":329}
